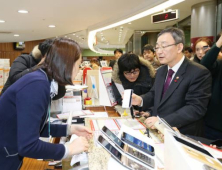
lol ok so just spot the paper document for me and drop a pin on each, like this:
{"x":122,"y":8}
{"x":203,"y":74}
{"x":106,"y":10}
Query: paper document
{"x":78,"y":157}
{"x":75,"y":114}
{"x":72,"y":103}
{"x":119,"y":88}
{"x":76,"y":87}
{"x":96,"y":114}
{"x":94,"y":87}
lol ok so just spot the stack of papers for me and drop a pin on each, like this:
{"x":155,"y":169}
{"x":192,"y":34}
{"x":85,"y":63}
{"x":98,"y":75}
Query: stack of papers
{"x":96,"y":114}
{"x":75,"y":114}
{"x":115,"y":124}
{"x":76,"y":87}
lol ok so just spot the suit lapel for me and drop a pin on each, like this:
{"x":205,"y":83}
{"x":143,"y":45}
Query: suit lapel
{"x":160,"y":83}
{"x":175,"y":82}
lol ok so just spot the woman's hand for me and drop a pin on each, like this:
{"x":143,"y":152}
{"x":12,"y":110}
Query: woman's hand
{"x":77,"y":146}
{"x":219,"y":42}
{"x":81,"y":131}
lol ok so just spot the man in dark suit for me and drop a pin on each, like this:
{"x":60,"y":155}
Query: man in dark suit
{"x":182,"y":88}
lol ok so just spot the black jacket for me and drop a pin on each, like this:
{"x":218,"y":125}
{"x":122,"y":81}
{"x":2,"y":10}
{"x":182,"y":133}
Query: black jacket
{"x":141,"y":86}
{"x":112,"y":63}
{"x":185,"y":102}
{"x":196,"y":59}
{"x":22,"y":65}
{"x":213,"y":116}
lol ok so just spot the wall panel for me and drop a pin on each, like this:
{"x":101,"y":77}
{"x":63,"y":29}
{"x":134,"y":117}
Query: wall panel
{"x":7,"y":49}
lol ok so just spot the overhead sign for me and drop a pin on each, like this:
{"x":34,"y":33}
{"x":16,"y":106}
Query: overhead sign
{"x":165,"y":16}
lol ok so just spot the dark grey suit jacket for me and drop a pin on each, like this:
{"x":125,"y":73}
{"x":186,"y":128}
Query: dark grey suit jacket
{"x":185,"y":102}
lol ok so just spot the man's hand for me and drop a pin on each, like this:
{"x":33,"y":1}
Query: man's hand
{"x":81,"y":131}
{"x":151,"y":121}
{"x":136,"y":100}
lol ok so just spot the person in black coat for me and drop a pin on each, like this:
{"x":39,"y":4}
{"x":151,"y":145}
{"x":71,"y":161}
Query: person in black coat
{"x":117,"y":53}
{"x":132,"y":72}
{"x":213,"y":118}
{"x":178,"y":95}
{"x":25,"y":64}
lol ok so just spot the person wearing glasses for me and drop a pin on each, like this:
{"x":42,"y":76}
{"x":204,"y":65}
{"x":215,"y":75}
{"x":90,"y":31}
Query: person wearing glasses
{"x":178,"y":95}
{"x":202,"y":45}
{"x":132,"y":72}
{"x":213,"y":118}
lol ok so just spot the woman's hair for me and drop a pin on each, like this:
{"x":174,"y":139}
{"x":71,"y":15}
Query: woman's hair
{"x":204,"y":39}
{"x":128,"y":62}
{"x":60,"y":59}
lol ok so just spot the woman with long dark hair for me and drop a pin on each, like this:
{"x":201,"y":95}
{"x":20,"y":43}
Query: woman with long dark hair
{"x":25,"y":108}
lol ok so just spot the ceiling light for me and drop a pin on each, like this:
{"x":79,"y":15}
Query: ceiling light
{"x":73,"y":34}
{"x":23,"y":11}
{"x":129,"y":23}
{"x":149,"y":11}
{"x":16,"y":35}
{"x":2,"y":21}
{"x":51,"y":26}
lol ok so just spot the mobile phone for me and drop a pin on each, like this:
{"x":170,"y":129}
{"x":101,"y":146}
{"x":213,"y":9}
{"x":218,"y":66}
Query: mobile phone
{"x":124,"y":160}
{"x":205,"y":47}
{"x":207,"y":167}
{"x":138,"y":115}
{"x":218,"y":143}
{"x":130,"y":151}
{"x":111,"y":149}
{"x":126,"y":103}
{"x":113,"y":137}
{"x":131,"y":140}
{"x":162,"y":124}
{"x":193,"y":146}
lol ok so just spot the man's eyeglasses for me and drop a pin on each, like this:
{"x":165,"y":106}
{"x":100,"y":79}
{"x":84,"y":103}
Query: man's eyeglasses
{"x":135,"y":72}
{"x":164,"y":46}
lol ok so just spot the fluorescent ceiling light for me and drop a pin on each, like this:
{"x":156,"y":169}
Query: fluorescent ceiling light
{"x":16,"y":35}
{"x":150,"y":11}
{"x":51,"y":26}
{"x":23,"y":11}
{"x":2,"y":21}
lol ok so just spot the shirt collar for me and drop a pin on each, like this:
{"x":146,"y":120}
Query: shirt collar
{"x":176,"y":67}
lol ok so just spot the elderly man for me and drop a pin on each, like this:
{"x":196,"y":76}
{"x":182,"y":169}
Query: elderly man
{"x":182,"y":88}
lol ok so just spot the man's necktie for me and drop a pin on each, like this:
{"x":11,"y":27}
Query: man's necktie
{"x":168,"y":80}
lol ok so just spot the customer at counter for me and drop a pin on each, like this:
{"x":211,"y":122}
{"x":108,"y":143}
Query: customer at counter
{"x":213,"y":118}
{"x":132,"y":72}
{"x":178,"y":95}
{"x":24,"y":110}
{"x":25,"y":64}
